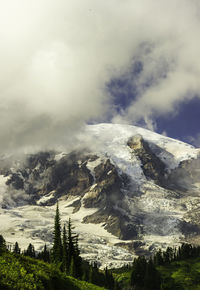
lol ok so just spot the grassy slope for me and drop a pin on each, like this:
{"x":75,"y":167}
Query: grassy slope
{"x":181,"y":275}
{"x":122,"y":276}
{"x":178,"y":275}
{"x":18,"y":272}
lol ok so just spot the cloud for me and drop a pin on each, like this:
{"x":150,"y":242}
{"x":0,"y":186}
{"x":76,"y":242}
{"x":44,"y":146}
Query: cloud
{"x":57,"y":57}
{"x":194,"y":140}
{"x":171,"y":67}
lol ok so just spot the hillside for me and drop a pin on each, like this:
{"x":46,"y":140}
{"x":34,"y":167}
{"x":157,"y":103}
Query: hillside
{"x":182,"y":274}
{"x":20,"y":272}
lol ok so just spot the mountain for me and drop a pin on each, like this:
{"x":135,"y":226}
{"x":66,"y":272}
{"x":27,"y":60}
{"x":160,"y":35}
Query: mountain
{"x":128,"y":191}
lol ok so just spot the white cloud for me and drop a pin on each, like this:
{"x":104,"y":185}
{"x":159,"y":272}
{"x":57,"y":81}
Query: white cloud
{"x":172,"y":64}
{"x":194,"y":140}
{"x":56,"y":57}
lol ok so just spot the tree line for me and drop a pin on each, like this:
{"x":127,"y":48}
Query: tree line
{"x":144,"y":273}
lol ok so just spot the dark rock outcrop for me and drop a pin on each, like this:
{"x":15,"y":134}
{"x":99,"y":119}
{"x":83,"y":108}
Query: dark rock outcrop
{"x":152,"y":166}
{"x":107,"y":191}
{"x":67,"y":176}
{"x":116,"y":223}
{"x":41,"y":174}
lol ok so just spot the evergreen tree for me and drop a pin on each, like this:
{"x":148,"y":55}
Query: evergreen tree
{"x":109,"y":280}
{"x":65,"y":251}
{"x":70,"y":241}
{"x":44,"y":255}
{"x":151,"y":278}
{"x":72,"y":268}
{"x":86,"y":270}
{"x":138,"y":272}
{"x":85,"y":276}
{"x":93,"y":275}
{"x":168,"y":255}
{"x":73,"y":251}
{"x":158,"y":258}
{"x":2,"y":244}
{"x":57,"y":243}
{"x":30,"y":251}
{"x":77,"y":258}
{"x":16,"y":248}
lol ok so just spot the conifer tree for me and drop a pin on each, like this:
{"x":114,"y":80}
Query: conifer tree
{"x":77,"y":258}
{"x":109,"y":280}
{"x":65,"y":251}
{"x":73,"y":250}
{"x":93,"y":275}
{"x":57,"y":243}
{"x":2,"y":244}
{"x":85,"y":276}
{"x":16,"y":248}
{"x":158,"y":258}
{"x":44,"y":255}
{"x":72,"y":269}
{"x":71,"y":240}
{"x":138,"y":272}
{"x":30,"y":251}
{"x":151,"y":278}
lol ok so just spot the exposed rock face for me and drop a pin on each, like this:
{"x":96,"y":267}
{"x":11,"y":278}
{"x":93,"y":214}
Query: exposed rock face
{"x":116,"y":223}
{"x":68,"y":176}
{"x":106,"y":195}
{"x":106,"y":190}
{"x":186,"y":176}
{"x":32,"y":175}
{"x":152,"y":166}
{"x":42,"y":174}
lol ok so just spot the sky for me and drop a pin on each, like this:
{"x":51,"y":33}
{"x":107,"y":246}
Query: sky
{"x":64,"y":64}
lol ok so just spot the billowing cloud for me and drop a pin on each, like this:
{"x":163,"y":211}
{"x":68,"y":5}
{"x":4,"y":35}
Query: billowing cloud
{"x":171,"y":66}
{"x":57,"y":57}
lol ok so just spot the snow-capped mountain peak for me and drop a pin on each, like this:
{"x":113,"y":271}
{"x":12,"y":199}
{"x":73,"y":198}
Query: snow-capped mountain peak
{"x":128,"y":191}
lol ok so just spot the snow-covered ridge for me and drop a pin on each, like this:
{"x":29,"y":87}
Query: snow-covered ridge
{"x":110,"y":140}
{"x":120,"y":133}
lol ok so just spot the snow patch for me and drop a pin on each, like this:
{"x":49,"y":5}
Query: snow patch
{"x":91,"y":166}
{"x":59,"y":156}
{"x":46,"y":197}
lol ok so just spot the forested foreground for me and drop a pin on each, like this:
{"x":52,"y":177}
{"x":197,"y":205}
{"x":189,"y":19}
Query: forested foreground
{"x":166,"y":270}
{"x":21,"y":272}
{"x":62,"y":267}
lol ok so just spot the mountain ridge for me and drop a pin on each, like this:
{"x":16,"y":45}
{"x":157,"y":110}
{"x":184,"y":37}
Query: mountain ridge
{"x":130,"y":192}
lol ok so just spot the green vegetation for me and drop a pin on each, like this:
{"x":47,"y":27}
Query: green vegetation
{"x":173,"y":269}
{"x":181,"y":274}
{"x":57,"y":243}
{"x":20,"y":272}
